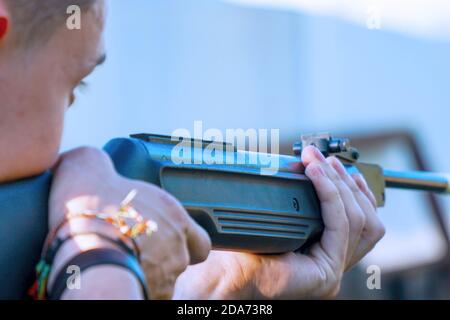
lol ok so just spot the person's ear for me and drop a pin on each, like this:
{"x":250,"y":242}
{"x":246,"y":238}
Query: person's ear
{"x":4,"y":20}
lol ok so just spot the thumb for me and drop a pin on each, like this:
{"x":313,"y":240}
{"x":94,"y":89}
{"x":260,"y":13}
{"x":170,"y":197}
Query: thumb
{"x":198,"y":241}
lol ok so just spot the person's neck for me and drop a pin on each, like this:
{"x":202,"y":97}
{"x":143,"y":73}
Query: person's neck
{"x":18,"y":155}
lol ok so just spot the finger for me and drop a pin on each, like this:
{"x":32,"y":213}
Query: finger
{"x":199,"y":242}
{"x":367,"y":240}
{"x":373,"y":230}
{"x":362,"y":185}
{"x":334,"y":240}
{"x":371,"y":235}
{"x":355,"y":214}
{"x":311,"y":154}
{"x":197,"y":239}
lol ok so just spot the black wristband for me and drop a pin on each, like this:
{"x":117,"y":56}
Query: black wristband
{"x":59,"y":242}
{"x":98,"y":257}
{"x":54,"y":242}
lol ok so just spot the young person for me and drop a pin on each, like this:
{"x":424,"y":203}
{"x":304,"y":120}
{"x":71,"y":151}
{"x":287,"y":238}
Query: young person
{"x":41,"y":64}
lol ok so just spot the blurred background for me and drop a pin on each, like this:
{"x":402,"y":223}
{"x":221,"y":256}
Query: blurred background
{"x":378,"y":71}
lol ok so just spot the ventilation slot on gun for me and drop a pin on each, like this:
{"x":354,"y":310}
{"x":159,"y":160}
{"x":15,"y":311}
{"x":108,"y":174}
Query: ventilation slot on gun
{"x":261,"y":224}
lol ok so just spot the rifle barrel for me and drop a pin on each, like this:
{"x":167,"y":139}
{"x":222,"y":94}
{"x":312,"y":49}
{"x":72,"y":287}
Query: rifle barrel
{"x":417,"y":180}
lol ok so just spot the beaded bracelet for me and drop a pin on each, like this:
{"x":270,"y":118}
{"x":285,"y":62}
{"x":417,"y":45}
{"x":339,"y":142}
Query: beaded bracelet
{"x":119,"y":220}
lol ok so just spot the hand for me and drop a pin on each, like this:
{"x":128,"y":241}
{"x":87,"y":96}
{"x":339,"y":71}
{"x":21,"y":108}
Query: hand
{"x":85,"y":180}
{"x":352,"y":229}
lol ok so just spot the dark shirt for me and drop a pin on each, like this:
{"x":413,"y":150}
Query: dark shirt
{"x":23,"y":228}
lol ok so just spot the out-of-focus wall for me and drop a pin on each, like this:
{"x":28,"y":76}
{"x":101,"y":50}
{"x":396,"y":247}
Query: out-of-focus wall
{"x":171,"y":62}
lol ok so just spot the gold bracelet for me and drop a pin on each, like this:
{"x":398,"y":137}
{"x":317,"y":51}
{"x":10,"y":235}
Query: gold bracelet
{"x":122,"y":218}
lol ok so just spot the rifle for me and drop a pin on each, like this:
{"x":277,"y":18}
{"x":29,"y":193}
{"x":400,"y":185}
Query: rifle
{"x":241,"y":209}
